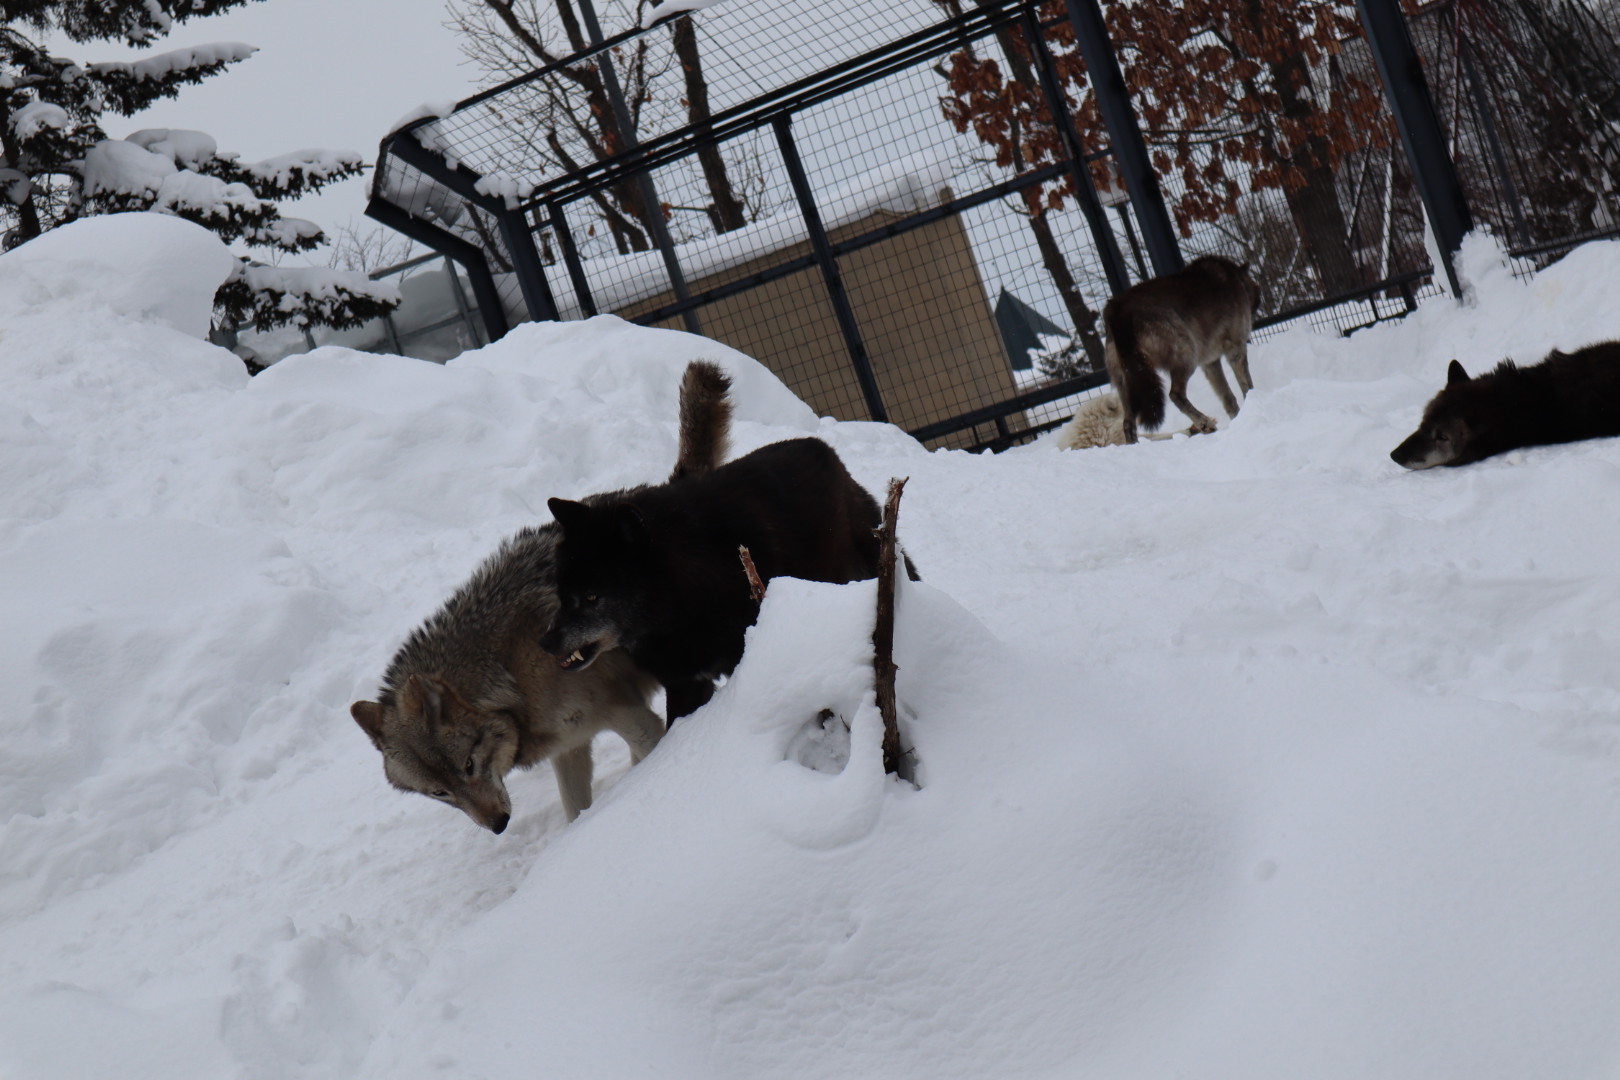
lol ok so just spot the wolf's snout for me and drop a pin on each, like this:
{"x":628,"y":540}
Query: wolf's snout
{"x":498,"y":824}
{"x":1407,"y":454}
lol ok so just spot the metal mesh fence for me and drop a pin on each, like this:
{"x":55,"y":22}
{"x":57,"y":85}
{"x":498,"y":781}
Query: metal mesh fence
{"x":790,"y":179}
{"x":1529,"y":94}
{"x":876,"y":158}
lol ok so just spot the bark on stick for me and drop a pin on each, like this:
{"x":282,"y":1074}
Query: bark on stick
{"x":883,"y":634}
{"x":756,"y":587}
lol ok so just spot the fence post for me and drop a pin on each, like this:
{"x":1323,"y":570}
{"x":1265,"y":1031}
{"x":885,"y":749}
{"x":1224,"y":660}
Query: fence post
{"x":460,"y":296}
{"x":842,"y":311}
{"x":1130,"y":149}
{"x":570,"y":254}
{"x":472,"y":259}
{"x":1085,"y":191}
{"x":526,"y":265}
{"x":1419,"y":127}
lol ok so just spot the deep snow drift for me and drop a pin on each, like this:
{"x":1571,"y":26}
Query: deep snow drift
{"x":1247,"y":756}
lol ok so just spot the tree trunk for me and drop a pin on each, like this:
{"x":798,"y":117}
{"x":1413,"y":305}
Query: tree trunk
{"x":28,"y":223}
{"x":1314,"y":204}
{"x":727,"y":210}
{"x":1084,"y":319}
{"x":1080,"y":313}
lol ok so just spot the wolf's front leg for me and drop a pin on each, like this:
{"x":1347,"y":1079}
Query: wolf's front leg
{"x":573,"y":769}
{"x":638,"y":726}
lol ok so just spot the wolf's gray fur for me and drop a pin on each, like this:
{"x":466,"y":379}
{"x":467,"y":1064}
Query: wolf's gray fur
{"x":471,"y":695}
{"x":1176,"y":324}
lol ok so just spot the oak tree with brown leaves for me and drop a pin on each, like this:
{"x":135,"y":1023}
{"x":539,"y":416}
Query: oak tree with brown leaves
{"x":1234,"y":96}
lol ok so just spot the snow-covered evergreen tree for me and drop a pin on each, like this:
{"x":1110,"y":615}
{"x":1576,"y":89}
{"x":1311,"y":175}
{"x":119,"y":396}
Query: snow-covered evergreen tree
{"x":57,"y":163}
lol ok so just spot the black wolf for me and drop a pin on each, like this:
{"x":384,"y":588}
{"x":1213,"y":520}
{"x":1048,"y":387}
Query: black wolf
{"x":1177,"y":324}
{"x":657,"y":572}
{"x":471,"y":696}
{"x":1565,"y":398}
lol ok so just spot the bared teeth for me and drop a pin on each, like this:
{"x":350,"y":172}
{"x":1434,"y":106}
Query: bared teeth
{"x":576,"y":657}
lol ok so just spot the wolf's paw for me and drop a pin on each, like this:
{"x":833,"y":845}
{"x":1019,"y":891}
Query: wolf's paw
{"x":1202,"y":426}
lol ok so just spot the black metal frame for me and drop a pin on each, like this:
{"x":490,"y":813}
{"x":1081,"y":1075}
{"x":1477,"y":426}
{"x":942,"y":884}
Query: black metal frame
{"x":1421,"y":135}
{"x":1130,"y":149}
{"x":471,"y":258}
{"x":843,"y":310}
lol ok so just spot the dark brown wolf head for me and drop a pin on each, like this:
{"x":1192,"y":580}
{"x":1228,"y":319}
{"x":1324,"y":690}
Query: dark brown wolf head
{"x":434,"y":743}
{"x":1458,"y":426}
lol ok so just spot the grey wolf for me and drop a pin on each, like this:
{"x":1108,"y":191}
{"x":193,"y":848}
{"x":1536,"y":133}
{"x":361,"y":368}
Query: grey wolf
{"x":1099,"y":421}
{"x":1565,"y":398}
{"x":471,"y":695}
{"x":1176,"y":324}
{"x":656,"y":572}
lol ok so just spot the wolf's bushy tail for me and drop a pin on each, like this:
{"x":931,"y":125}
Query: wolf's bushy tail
{"x":1138,"y":385}
{"x":705,"y":419}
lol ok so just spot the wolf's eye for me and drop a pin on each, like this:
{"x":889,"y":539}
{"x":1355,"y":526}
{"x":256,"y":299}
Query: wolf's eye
{"x":469,"y":766}
{"x":1441,"y":436}
{"x":439,"y":794}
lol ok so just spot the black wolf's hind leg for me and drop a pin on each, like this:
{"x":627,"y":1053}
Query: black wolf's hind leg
{"x":687,"y":697}
{"x":1178,"y":394}
{"x":1217,"y":379}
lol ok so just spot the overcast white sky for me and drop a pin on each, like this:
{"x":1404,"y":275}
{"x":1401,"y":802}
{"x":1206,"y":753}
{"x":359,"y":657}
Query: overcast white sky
{"x":333,"y":74}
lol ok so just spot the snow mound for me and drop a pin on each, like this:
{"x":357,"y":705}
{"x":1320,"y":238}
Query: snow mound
{"x":142,"y":267}
{"x":818,"y":949}
{"x":639,"y":367}
{"x":1245,"y":757}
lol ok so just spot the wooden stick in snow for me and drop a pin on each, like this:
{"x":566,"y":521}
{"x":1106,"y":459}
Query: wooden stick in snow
{"x":756,"y":587}
{"x":883,"y":634}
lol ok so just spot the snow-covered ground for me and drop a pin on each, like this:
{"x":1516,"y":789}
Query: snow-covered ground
{"x":1245,"y":756}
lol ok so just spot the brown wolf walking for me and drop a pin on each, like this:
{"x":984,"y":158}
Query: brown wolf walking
{"x":471,"y":695}
{"x":1176,"y":324}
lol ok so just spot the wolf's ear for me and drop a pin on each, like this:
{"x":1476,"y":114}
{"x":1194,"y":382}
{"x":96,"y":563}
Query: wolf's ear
{"x":632,"y":526}
{"x":1455,"y":374}
{"x":420,"y":697}
{"x":369,"y":715}
{"x":569,"y":514}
